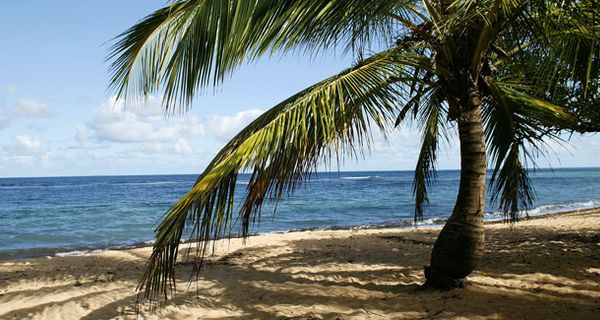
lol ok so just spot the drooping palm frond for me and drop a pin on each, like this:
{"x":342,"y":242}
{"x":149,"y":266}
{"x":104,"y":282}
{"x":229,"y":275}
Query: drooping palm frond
{"x":432,"y":117}
{"x":517,"y":125}
{"x":190,"y":45}
{"x":281,"y":148}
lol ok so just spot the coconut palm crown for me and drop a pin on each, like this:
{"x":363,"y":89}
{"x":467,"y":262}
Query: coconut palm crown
{"x":497,"y":72}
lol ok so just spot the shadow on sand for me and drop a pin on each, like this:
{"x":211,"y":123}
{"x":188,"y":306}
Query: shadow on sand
{"x":527,"y":273}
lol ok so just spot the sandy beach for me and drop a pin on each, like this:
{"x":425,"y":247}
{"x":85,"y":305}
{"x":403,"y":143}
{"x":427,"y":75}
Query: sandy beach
{"x":544,"y":268}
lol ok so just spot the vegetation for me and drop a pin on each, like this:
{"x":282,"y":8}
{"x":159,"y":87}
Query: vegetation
{"x":507,"y":75}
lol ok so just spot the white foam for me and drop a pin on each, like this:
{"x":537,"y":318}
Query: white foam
{"x":547,"y":209}
{"x":78,"y":253}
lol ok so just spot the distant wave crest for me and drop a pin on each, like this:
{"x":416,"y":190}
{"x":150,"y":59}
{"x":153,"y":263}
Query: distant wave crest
{"x":361,"y":178}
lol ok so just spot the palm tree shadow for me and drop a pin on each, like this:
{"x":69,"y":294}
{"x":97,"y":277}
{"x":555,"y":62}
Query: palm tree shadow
{"x":362,"y":275}
{"x":288,"y":280}
{"x":377,"y":275}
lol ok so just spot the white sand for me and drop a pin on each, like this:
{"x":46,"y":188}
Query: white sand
{"x":545,"y":268}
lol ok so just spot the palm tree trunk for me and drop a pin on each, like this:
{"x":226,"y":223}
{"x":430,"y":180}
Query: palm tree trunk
{"x":460,"y":245}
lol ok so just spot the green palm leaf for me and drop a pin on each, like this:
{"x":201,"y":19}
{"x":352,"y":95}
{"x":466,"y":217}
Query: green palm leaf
{"x":517,"y":124}
{"x":432,"y":127}
{"x":195,"y":44}
{"x":530,"y":67}
{"x":281,"y":148}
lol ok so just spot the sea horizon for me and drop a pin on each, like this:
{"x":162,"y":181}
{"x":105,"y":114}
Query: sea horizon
{"x":47,"y":216}
{"x":244,"y":173}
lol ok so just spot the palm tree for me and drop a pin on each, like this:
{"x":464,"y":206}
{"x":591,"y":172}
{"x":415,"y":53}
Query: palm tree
{"x":496,"y":71}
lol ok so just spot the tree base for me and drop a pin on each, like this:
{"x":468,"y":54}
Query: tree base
{"x":440,"y":281}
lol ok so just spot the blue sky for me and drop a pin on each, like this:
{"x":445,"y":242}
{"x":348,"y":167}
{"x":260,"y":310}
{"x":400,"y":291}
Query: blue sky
{"x":58,"y":118}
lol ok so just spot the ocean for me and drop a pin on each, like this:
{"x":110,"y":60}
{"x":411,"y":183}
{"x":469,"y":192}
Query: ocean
{"x":67,"y":215}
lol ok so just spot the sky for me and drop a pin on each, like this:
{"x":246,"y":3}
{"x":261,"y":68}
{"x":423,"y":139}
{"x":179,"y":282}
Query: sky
{"x":58,"y":118}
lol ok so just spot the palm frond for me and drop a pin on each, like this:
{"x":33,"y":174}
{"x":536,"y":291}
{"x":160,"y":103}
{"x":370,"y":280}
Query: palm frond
{"x":531,"y":61}
{"x":431,"y":123}
{"x":281,"y":148}
{"x":195,"y":44}
{"x":517,"y":127}
{"x":554,"y":42}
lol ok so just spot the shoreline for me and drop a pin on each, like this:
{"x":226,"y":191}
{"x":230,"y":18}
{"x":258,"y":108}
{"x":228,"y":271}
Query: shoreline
{"x":437,"y":223}
{"x":546,"y":215}
{"x":550,"y":263}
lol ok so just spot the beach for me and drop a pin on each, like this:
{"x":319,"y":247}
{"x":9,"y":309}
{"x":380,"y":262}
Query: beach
{"x":330,"y":155}
{"x":542,"y":268}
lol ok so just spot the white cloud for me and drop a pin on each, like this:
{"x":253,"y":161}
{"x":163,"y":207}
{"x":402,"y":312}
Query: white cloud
{"x":26,"y":150}
{"x":26,"y":145}
{"x":86,"y":140}
{"x":225,"y":127}
{"x":29,"y":108}
{"x":138,"y":123}
{"x":182,"y":146}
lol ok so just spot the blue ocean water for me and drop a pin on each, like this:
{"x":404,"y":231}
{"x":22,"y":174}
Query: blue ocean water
{"x":45,"y":216}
